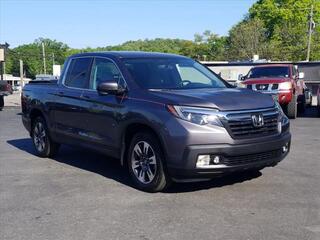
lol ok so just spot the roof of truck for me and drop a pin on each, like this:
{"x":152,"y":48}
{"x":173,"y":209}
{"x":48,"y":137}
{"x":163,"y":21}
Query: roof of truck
{"x":130,"y":54}
{"x":274,"y":65}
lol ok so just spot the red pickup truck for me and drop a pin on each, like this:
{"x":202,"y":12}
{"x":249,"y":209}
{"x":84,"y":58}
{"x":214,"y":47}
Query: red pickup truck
{"x":281,"y":80}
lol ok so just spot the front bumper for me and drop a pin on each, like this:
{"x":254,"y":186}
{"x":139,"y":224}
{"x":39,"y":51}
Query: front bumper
{"x":235,"y":157}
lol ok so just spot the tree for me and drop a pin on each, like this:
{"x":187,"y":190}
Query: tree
{"x":31,"y":54}
{"x":286,"y":22}
{"x":209,"y":46}
{"x":248,"y":38}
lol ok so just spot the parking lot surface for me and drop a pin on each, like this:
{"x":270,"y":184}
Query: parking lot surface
{"x":83,"y":195}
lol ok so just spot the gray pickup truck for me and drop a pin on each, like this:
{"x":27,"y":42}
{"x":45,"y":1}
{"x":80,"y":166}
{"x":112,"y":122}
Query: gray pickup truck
{"x":166,"y":117}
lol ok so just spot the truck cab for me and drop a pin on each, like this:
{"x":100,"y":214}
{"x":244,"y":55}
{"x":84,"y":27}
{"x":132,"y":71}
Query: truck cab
{"x":283,"y":81}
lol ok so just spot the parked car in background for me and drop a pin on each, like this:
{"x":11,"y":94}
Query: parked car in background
{"x":5,"y":90}
{"x":284,"y":81}
{"x":166,"y":117}
{"x":17,"y":87}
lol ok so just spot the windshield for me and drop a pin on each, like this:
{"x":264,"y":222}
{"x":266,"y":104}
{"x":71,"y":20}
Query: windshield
{"x":262,"y":72}
{"x":171,"y":73}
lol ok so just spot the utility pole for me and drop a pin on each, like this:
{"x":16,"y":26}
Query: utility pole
{"x":52,"y":58}
{"x":311,"y":25}
{"x":44,"y":59}
{"x":21,"y":73}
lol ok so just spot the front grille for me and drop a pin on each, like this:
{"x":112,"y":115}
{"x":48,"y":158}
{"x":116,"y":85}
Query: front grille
{"x":240,"y":125}
{"x":262,"y":87}
{"x":257,"y":157}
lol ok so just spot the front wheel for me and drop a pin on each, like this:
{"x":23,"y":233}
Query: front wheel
{"x":292,"y":108}
{"x":42,"y":142}
{"x":145,"y":163}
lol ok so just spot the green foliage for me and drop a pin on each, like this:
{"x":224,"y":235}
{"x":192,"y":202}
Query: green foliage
{"x":286,"y":22}
{"x":210,"y":48}
{"x":248,"y":38}
{"x":31,"y":55}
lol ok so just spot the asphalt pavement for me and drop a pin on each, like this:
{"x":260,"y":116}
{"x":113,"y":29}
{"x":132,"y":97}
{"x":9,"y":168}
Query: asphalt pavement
{"x":83,"y":195}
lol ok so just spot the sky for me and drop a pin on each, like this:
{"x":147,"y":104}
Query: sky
{"x":99,"y":23}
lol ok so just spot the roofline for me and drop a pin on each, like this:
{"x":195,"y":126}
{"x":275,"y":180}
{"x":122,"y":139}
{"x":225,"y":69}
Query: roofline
{"x":217,"y":63}
{"x":129,"y":54}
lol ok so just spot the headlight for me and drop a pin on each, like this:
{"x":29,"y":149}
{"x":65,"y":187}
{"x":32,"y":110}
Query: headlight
{"x":283,"y":119}
{"x":279,"y":108}
{"x":285,"y":86}
{"x":201,"y":116}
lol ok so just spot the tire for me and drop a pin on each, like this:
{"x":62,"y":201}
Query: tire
{"x":302,"y":105}
{"x":1,"y":103}
{"x":42,"y":142}
{"x":145,"y":163}
{"x":292,"y":108}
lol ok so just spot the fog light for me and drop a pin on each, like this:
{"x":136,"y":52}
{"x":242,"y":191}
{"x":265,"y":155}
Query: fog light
{"x":207,"y":161}
{"x":285,"y":148}
{"x":216,"y":159}
{"x":203,"y":161}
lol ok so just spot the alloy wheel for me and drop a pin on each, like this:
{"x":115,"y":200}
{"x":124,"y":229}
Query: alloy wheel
{"x":143,"y":162}
{"x":39,"y":137}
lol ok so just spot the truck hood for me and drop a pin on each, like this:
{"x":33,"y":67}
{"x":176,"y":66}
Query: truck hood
{"x":265,"y":80}
{"x":226,"y":99}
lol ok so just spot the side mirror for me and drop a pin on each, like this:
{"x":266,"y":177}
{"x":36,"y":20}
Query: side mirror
{"x":110,"y":87}
{"x":301,"y":75}
{"x":241,"y":77}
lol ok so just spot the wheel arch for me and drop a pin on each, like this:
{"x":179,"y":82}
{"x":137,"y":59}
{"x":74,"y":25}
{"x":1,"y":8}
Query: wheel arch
{"x":34,"y":113}
{"x":133,"y":128}
{"x":37,"y":112}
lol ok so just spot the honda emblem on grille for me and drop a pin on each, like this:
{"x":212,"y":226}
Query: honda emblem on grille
{"x":257,"y":120}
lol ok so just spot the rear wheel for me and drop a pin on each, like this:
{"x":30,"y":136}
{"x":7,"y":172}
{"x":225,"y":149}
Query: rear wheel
{"x":292,"y":108}
{"x":1,"y":103}
{"x":302,"y":104}
{"x":145,"y":163}
{"x":42,"y":142}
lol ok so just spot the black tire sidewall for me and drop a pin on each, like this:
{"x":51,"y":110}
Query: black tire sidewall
{"x":302,"y":105}
{"x":1,"y":102}
{"x":159,"y":181}
{"x":292,"y":108}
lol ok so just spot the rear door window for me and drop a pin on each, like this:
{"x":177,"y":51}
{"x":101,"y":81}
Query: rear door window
{"x":78,"y":74}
